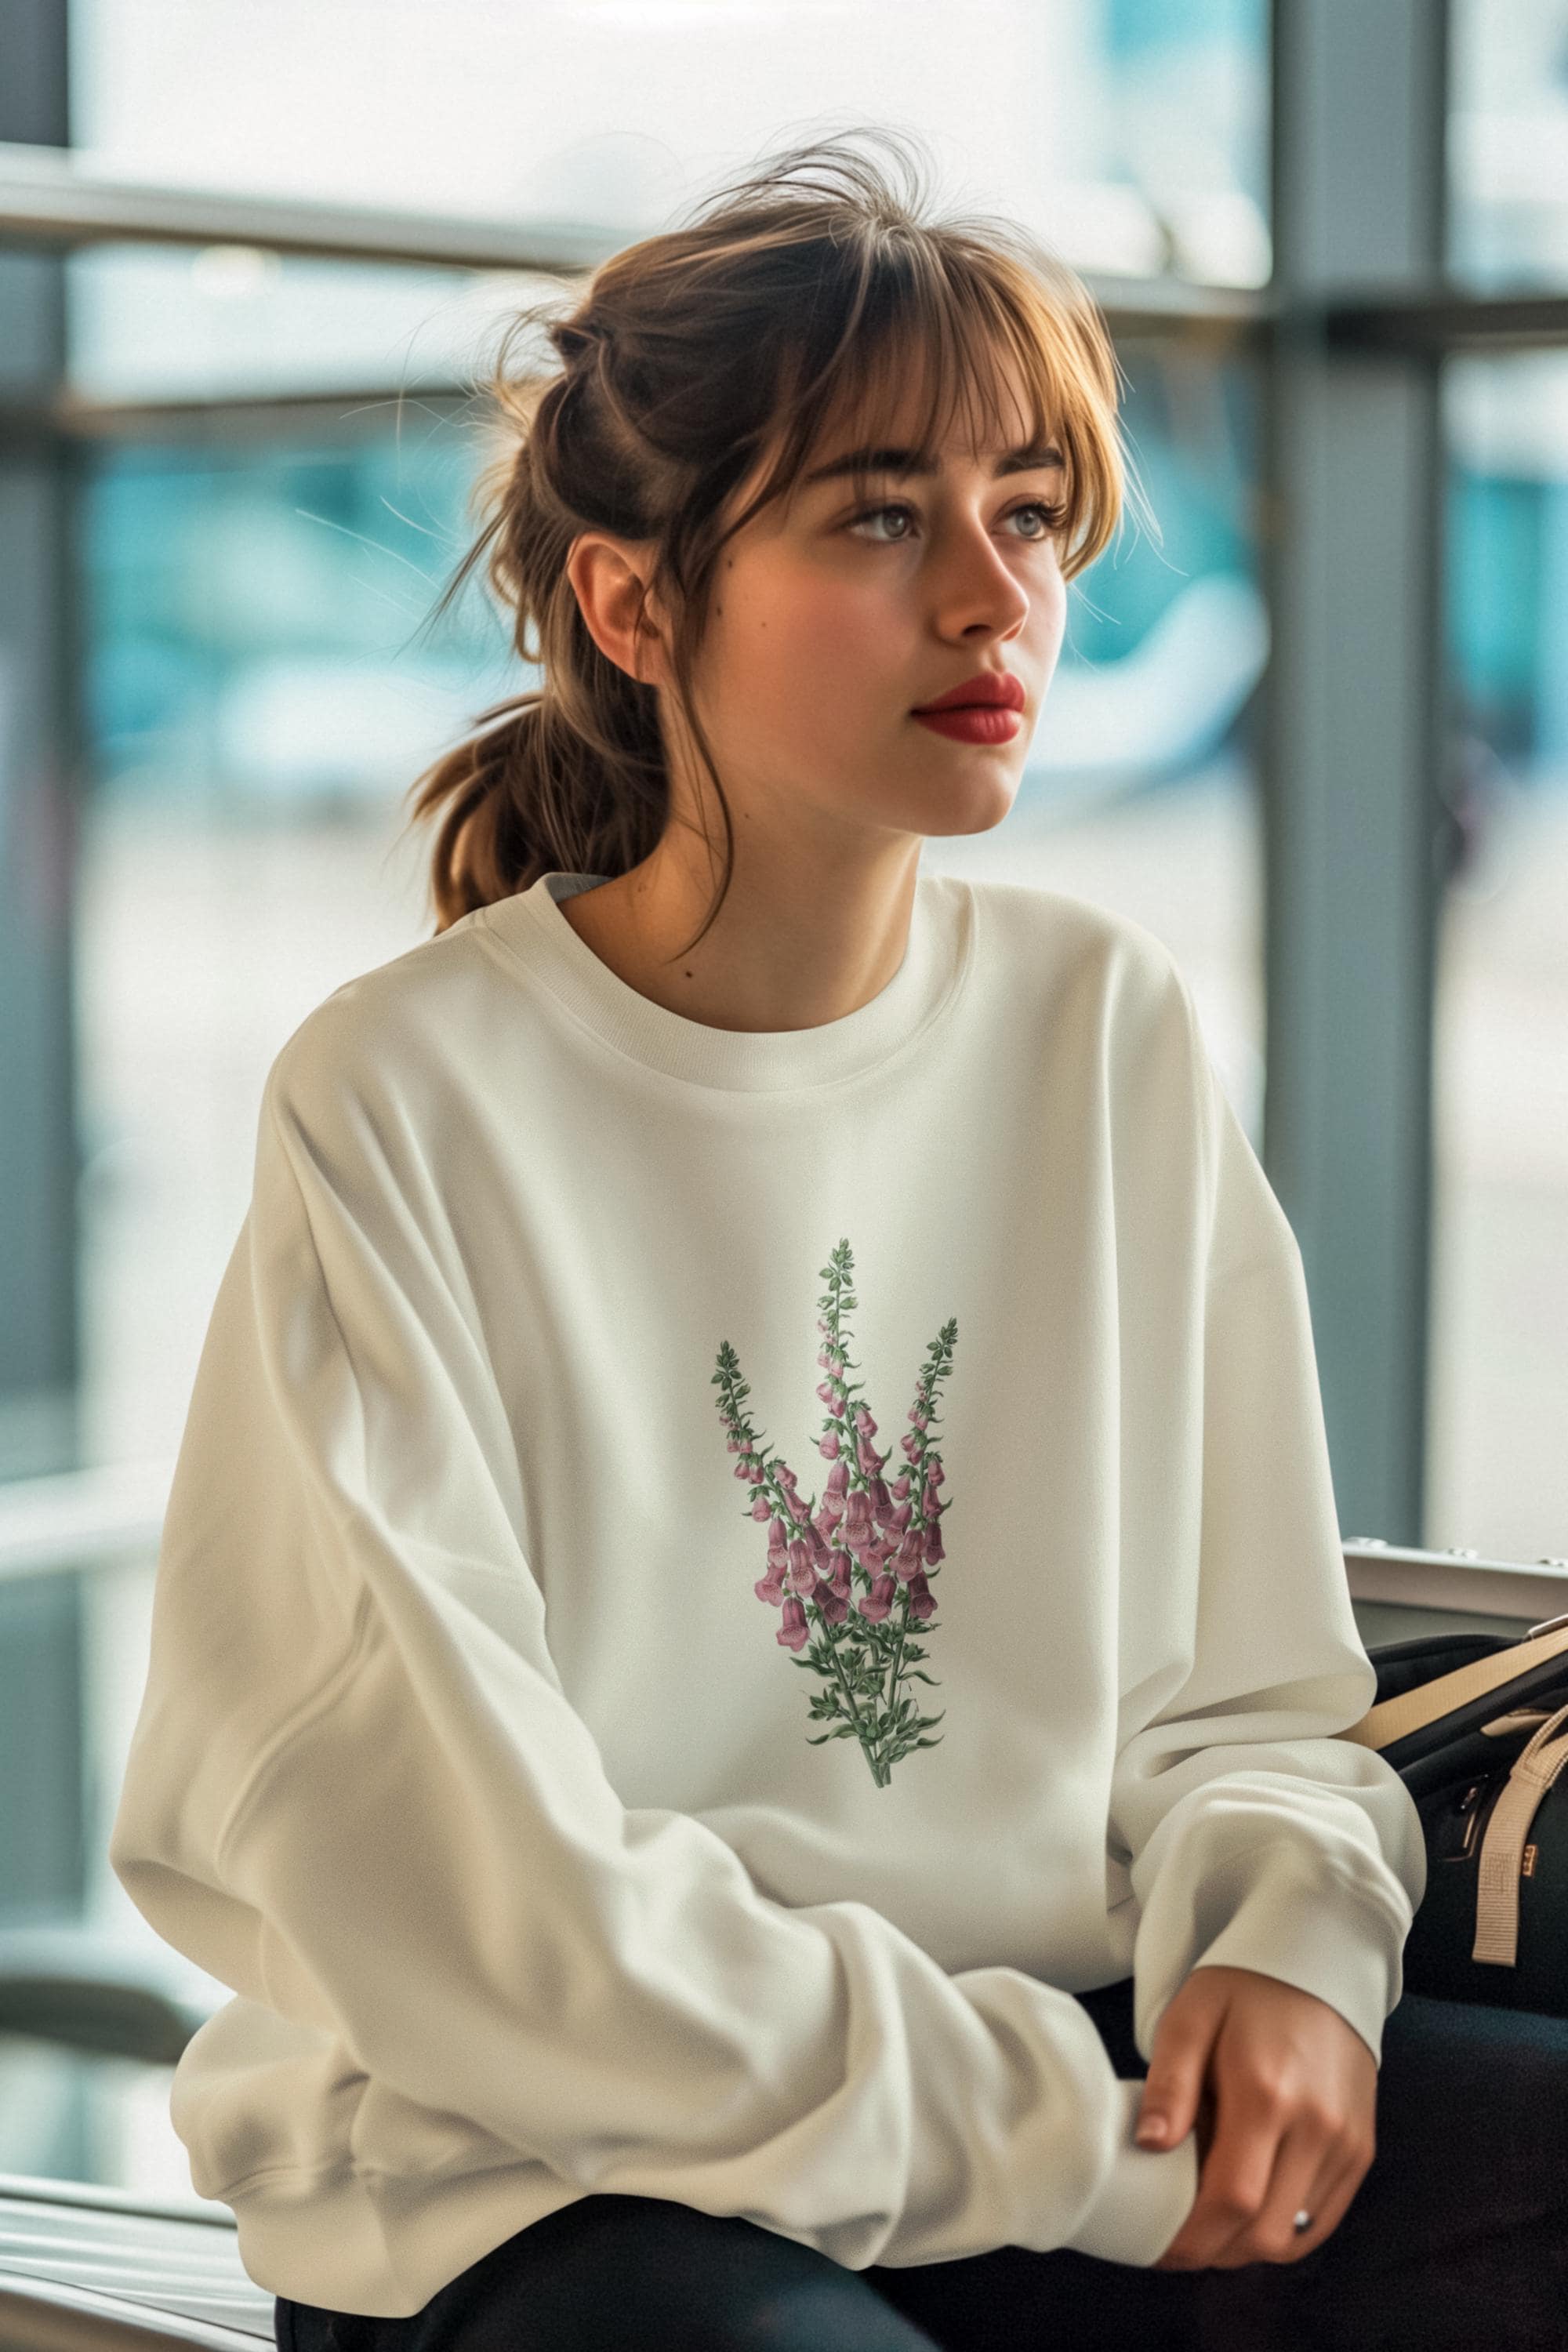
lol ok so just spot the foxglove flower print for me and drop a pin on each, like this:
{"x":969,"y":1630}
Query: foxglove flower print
{"x":850,"y":1576}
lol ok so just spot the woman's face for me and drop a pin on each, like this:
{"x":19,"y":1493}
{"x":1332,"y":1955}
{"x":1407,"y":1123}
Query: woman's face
{"x":832,"y":620}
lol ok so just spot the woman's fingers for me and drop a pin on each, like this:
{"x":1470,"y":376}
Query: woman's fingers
{"x":1255,"y":2178}
{"x":1233,"y":2183}
{"x":1312,"y":2174}
{"x":1294,"y":2094}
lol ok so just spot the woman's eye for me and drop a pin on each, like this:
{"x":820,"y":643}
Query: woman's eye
{"x":1053,"y":517}
{"x":875,"y":514}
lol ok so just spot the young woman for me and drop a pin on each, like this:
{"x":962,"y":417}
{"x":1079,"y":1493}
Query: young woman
{"x":751,"y":1635}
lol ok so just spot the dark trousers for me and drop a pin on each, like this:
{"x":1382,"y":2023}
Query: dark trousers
{"x":1457,"y":2241}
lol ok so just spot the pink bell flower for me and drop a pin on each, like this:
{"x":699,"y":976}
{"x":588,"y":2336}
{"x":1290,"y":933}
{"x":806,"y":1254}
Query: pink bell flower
{"x":908,"y":1561}
{"x":795,"y":1633}
{"x":874,"y":1605}
{"x":832,"y":1603}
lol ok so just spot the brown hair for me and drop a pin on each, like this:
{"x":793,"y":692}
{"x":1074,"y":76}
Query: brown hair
{"x":784,"y":302}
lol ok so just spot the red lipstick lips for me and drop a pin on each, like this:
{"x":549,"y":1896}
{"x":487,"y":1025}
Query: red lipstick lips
{"x":983,"y":709}
{"x":991,"y":688}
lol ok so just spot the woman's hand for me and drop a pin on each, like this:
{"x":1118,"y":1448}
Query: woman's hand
{"x":1285,"y":2115}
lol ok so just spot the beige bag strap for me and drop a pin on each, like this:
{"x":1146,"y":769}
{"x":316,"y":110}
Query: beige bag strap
{"x":1391,"y":1719}
{"x":1535,"y":1768}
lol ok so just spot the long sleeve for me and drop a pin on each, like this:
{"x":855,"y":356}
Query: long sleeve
{"x":1255,"y":1838}
{"x":358,"y":1794}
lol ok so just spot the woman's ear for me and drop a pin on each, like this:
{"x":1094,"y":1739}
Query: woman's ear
{"x":608,"y":577}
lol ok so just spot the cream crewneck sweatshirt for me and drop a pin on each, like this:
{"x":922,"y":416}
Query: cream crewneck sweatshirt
{"x":714,"y":1579}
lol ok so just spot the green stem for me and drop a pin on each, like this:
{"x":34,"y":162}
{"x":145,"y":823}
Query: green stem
{"x":874,"y":1761}
{"x":897,"y":1653}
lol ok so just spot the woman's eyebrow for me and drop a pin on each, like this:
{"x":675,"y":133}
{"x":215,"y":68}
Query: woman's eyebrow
{"x":901,"y":462}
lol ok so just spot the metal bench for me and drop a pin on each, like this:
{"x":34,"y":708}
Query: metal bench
{"x":84,"y":2269}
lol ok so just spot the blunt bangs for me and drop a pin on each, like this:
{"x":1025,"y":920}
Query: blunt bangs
{"x":956,"y":323}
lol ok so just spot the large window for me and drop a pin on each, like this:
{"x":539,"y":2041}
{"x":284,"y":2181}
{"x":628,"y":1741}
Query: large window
{"x":239,"y":449}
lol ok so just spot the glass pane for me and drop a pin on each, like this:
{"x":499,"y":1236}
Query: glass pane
{"x":1508,"y":143}
{"x":259,"y":706}
{"x":167,"y":323}
{"x":1497,"y":1467}
{"x":1133,"y":133}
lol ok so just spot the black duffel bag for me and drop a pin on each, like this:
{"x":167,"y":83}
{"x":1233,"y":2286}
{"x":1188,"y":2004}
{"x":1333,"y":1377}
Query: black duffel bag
{"x":1477,"y":1727}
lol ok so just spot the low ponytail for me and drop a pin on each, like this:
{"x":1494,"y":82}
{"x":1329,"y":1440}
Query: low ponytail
{"x":526,"y":798}
{"x":571,"y":777}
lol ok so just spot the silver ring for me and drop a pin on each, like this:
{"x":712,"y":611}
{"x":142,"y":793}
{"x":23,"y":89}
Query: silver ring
{"x":1303,"y":2220}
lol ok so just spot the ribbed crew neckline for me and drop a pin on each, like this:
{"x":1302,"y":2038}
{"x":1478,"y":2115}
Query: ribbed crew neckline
{"x":530,"y":928}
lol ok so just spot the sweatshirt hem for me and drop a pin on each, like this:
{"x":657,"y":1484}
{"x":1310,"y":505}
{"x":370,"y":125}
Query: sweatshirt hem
{"x":381,"y":2245}
{"x":1341,"y":1942}
{"x":1146,"y":2196}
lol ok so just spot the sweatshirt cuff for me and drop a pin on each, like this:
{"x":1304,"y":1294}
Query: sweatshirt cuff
{"x":1316,"y":1931}
{"x":1146,"y":2197}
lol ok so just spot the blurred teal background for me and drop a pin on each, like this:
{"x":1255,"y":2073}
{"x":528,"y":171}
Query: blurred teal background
{"x":234,"y":479}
